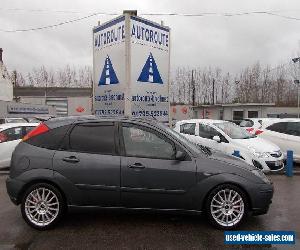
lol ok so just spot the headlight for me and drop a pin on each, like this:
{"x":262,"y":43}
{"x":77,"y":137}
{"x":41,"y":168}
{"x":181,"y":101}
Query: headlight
{"x":259,"y":154}
{"x":261,"y":175}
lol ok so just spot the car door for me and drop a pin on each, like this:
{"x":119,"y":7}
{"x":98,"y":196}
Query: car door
{"x":9,"y":139}
{"x":276,"y":134}
{"x":293,"y":138}
{"x":90,"y":161}
{"x":150,"y":175}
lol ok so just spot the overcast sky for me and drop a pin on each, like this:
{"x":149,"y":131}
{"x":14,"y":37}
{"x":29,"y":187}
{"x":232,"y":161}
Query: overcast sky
{"x":230,"y":43}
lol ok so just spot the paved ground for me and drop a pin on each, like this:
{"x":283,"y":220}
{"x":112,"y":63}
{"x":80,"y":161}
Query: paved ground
{"x":121,"y":230}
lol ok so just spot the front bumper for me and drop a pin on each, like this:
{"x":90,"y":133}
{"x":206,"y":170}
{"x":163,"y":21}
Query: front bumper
{"x":14,"y":188}
{"x":262,"y":199}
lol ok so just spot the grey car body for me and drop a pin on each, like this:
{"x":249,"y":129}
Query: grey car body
{"x":118,"y":180}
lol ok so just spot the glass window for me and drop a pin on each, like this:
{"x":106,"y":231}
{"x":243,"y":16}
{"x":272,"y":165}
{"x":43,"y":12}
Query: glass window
{"x":93,"y":138}
{"x":238,"y":115}
{"x":279,"y":127}
{"x":51,"y":139}
{"x":188,"y":128}
{"x":252,"y":114}
{"x":27,"y":130}
{"x":293,"y":128}
{"x":11,"y":134}
{"x":246,"y":123}
{"x":206,"y":131}
{"x":234,"y":131}
{"x":146,"y":143}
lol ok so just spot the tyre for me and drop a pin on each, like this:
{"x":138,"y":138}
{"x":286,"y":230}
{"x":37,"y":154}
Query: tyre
{"x":226,"y":206}
{"x":42,"y":206}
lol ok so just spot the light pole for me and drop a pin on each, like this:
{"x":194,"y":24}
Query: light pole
{"x":297,"y":82}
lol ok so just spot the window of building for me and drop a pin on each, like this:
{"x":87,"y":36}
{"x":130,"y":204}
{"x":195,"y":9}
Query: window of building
{"x":238,"y":115}
{"x":253,"y":114}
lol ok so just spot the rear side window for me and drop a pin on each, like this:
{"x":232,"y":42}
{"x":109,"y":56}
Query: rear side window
{"x":293,"y":128}
{"x":51,"y":139}
{"x":11,"y":134}
{"x":188,"y":128}
{"x":279,"y":127}
{"x":93,"y":138}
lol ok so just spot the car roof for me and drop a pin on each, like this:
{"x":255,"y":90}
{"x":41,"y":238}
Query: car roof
{"x":277,"y":120}
{"x":62,"y":121}
{"x":205,"y":121}
{"x":12,"y":125}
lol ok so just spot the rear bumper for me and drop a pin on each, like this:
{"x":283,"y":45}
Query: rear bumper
{"x":14,"y":188}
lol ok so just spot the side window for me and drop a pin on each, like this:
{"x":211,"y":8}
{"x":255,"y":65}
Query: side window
{"x":246,"y":123}
{"x":206,"y":131}
{"x":188,"y":128}
{"x":277,"y":127}
{"x":51,"y":139}
{"x":11,"y":134}
{"x":293,"y":128}
{"x":146,"y":143}
{"x":93,"y":138}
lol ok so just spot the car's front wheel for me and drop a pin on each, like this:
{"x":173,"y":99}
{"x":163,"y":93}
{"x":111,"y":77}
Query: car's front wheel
{"x":226,"y":206}
{"x":42,"y":206}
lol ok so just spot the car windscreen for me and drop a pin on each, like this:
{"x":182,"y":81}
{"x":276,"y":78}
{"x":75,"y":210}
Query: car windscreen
{"x":234,"y":131}
{"x":246,"y":123}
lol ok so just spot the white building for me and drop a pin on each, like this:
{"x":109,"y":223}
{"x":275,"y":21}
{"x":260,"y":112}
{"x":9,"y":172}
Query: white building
{"x":6,"y":87}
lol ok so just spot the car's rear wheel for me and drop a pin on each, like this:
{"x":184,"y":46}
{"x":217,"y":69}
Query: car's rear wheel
{"x":42,"y":206}
{"x":226,"y":206}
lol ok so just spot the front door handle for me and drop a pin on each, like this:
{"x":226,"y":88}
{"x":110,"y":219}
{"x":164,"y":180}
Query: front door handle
{"x":71,"y":159}
{"x":136,"y":166}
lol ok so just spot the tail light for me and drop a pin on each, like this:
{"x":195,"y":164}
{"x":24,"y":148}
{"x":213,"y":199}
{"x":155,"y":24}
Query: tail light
{"x":3,"y":137}
{"x":258,"y":132}
{"x":42,"y":128}
{"x":249,"y":129}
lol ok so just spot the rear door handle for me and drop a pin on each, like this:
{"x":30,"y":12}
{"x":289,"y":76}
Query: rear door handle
{"x":71,"y":159}
{"x":136,"y":166}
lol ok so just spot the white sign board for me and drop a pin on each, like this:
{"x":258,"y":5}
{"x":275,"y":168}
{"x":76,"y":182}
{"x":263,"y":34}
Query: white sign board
{"x":131,"y":68}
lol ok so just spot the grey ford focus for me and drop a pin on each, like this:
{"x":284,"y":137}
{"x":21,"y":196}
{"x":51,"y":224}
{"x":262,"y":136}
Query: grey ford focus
{"x":129,"y":164}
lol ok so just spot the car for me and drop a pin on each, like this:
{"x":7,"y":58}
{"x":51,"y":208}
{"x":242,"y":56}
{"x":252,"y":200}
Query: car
{"x":10,"y":135}
{"x":229,"y":138}
{"x":12,"y":120}
{"x":285,"y":132}
{"x":128,"y":163}
{"x":252,"y":124}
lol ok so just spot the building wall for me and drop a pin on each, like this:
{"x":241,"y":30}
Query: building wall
{"x":79,"y":106}
{"x":6,"y":112}
{"x":181,"y":112}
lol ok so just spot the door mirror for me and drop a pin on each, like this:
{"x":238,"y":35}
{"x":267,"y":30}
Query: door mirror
{"x":180,"y":155}
{"x":217,"y":138}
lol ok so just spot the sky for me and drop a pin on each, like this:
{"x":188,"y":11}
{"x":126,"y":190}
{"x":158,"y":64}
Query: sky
{"x":230,"y":43}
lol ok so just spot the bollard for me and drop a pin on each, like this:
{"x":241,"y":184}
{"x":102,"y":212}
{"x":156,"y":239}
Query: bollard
{"x":236,"y":153}
{"x":289,"y":163}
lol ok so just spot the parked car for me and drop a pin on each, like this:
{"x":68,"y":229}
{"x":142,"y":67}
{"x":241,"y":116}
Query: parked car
{"x":10,"y":135}
{"x":252,"y":124}
{"x":285,"y":133}
{"x":227,"y":137}
{"x":130,"y":164}
{"x":12,"y":120}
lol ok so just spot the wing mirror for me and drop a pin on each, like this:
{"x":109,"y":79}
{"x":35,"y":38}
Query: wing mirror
{"x":180,"y":155}
{"x":217,"y":138}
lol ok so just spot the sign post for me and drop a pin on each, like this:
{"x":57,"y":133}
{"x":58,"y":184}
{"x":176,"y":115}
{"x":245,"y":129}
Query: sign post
{"x":131,"y":61}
